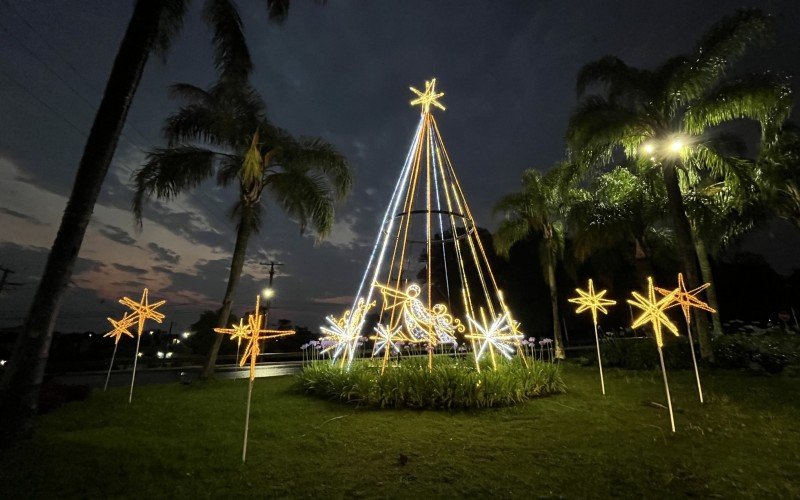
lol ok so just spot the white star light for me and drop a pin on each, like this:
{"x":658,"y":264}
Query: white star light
{"x":342,"y":333}
{"x":385,"y":338}
{"x":499,"y":335}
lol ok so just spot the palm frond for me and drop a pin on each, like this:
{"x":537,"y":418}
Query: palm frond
{"x":619,"y":78}
{"x":195,"y":123}
{"x":509,"y":232}
{"x":278,"y":10}
{"x":170,"y":23}
{"x":229,"y":168}
{"x":598,"y":126}
{"x":231,"y":55}
{"x":765,"y":98}
{"x":306,"y":196}
{"x":190,"y":93}
{"x":168,"y":171}
{"x":322,"y":157}
{"x":722,"y":45}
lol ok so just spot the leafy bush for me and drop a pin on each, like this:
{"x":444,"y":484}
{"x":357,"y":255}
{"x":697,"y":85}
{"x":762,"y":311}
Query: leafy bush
{"x":642,"y":353}
{"x":453,"y":383}
{"x":770,"y":351}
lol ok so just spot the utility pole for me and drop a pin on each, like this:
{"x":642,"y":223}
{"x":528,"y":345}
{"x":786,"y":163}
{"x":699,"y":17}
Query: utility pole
{"x":3,"y":279}
{"x":268,"y":294}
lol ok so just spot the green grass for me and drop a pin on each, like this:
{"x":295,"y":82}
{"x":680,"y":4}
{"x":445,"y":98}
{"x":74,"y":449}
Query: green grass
{"x":451,"y":383}
{"x":185,"y":442}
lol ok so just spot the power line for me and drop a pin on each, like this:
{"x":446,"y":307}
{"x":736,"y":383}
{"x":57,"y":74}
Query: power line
{"x":214,"y":212}
{"x":99,"y":91}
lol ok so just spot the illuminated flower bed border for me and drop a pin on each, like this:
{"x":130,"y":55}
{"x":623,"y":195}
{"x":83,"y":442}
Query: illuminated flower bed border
{"x":452,"y":383}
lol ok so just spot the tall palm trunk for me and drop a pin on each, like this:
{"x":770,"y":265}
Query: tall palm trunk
{"x":708,"y":277}
{"x":642,"y":260}
{"x":686,"y":250}
{"x":19,"y":390}
{"x":243,"y":234}
{"x":551,"y":283}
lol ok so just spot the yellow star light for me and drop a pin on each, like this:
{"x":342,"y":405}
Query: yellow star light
{"x":237,"y":332}
{"x":256,"y":334}
{"x":120,"y":327}
{"x":589,"y":300}
{"x":143,"y":310}
{"x":687,"y":298}
{"x":427,"y":98}
{"x":653,"y":311}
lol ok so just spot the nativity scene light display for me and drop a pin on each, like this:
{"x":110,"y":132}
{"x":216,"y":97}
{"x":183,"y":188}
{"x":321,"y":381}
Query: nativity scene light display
{"x":427,"y":214}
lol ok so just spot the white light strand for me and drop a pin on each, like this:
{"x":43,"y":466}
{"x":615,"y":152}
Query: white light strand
{"x":439,"y":214}
{"x":391,"y":209}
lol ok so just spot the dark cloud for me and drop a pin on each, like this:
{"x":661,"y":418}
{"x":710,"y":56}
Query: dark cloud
{"x":117,"y":234}
{"x":130,"y":269}
{"x":163,"y":254}
{"x":81,"y":308}
{"x":162,"y":269}
{"x":26,"y":218}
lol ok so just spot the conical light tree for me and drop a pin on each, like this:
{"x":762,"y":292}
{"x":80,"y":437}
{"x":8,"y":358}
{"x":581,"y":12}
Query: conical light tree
{"x":416,"y":301}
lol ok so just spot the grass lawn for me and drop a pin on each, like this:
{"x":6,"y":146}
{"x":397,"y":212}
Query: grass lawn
{"x":185,"y":441}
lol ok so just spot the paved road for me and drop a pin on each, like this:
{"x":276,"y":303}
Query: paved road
{"x":169,"y":375}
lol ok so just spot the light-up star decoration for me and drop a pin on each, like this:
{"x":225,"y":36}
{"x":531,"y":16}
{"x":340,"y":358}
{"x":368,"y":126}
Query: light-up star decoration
{"x":343,"y":332}
{"x":254,"y":333}
{"x":591,"y":301}
{"x":141,"y":312}
{"x":120,"y":327}
{"x":427,"y":98}
{"x":237,"y":332}
{"x":386,"y":340}
{"x":688,"y":299}
{"x":653,"y":313}
{"x":495,"y":336}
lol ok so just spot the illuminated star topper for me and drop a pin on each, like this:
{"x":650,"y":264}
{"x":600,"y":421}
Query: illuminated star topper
{"x":143,"y":310}
{"x":120,"y":327}
{"x":589,"y":300}
{"x":653,"y":311}
{"x":237,"y":332}
{"x":427,"y":98}
{"x":687,"y":298}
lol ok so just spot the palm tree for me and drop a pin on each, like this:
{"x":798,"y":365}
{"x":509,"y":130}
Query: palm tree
{"x":779,"y":164}
{"x":662,"y":118}
{"x":153,"y":26}
{"x":536,"y":209}
{"x":619,"y":206}
{"x":224,"y":132}
{"x":721,"y":210}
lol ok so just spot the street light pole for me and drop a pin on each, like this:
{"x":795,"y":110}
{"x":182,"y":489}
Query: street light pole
{"x":268,"y":293}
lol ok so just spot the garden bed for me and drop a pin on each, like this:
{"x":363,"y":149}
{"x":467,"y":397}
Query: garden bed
{"x":451,"y":383}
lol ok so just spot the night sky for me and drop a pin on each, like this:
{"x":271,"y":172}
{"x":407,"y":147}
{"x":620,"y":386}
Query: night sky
{"x":340,"y":72}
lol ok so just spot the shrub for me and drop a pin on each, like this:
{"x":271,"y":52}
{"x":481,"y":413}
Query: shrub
{"x":452,"y":383}
{"x":642,"y":354}
{"x":770,"y":351}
